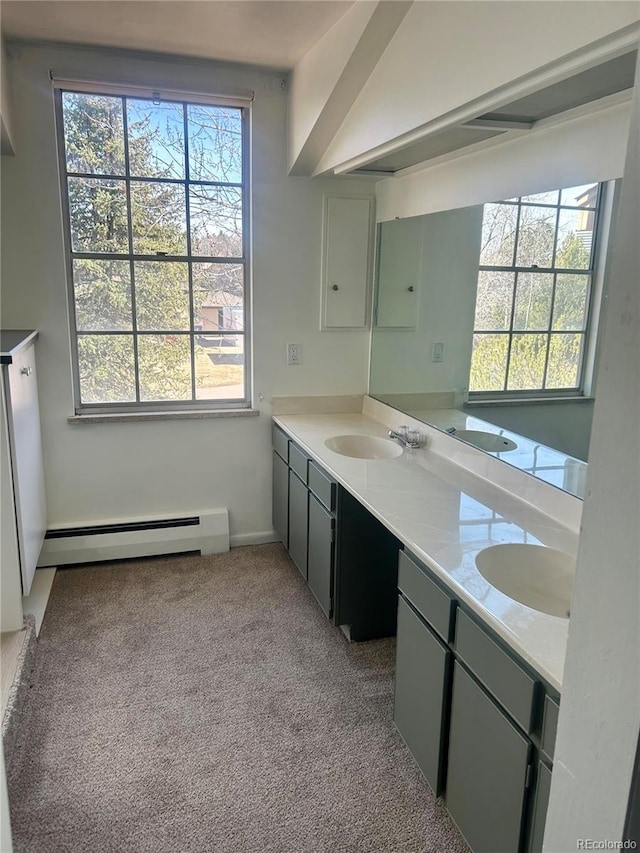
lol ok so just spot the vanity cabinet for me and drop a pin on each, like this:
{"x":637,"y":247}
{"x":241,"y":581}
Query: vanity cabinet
{"x":421,"y":688}
{"x":304,"y":503}
{"x":280,"y":497}
{"x":488,"y":769}
{"x":496,"y":708}
{"x":540,"y":804}
{"x":348,"y":558}
{"x":322,"y":535}
{"x":543,"y":773}
{"x":298,"y":522}
{"x":366,"y":579}
{"x":479,"y":723}
{"x":423,"y":668}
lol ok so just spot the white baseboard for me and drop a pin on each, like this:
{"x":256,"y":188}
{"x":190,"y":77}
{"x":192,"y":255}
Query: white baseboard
{"x":263,"y":538}
{"x":210,"y":535}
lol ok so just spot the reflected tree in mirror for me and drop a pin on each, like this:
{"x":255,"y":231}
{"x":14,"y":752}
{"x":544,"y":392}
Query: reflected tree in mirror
{"x":534,"y":281}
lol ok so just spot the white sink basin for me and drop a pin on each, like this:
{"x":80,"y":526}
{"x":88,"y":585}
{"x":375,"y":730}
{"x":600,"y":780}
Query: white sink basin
{"x":363,"y":446}
{"x":540,"y":577}
{"x":490,"y":441}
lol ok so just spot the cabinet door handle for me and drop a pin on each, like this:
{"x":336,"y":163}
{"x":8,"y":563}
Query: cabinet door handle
{"x":26,"y":371}
{"x":334,"y":287}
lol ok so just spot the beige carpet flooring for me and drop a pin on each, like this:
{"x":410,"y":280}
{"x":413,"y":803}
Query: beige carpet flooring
{"x":205,"y":705}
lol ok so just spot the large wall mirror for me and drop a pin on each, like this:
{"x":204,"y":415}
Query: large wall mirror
{"x":485,"y":322}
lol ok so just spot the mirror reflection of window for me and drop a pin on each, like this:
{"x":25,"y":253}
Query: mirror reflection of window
{"x":534,"y":284}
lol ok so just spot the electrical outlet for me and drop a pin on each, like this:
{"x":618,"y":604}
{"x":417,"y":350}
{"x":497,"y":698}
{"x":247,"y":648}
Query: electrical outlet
{"x":437,"y":352}
{"x":294,"y":353}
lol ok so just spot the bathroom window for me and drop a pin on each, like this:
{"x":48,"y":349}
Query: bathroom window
{"x":155,"y":194}
{"x":534,"y":292}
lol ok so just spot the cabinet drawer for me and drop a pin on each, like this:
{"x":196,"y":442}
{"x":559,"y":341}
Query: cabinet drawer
{"x":298,"y":461}
{"x":321,"y":486}
{"x":549,"y":726}
{"x":503,"y":677}
{"x":425,"y":595}
{"x":280,"y":443}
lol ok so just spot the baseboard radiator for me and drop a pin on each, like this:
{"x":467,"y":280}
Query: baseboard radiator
{"x":207,"y":532}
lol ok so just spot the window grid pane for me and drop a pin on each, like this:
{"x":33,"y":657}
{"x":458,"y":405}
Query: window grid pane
{"x":532,"y":310}
{"x":143,"y":306}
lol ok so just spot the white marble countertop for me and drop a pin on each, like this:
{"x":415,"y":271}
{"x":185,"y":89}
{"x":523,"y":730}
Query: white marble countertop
{"x":445,"y":515}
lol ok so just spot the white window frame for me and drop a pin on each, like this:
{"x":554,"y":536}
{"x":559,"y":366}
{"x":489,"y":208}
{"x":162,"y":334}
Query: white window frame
{"x":243,"y":103}
{"x":595,"y":272}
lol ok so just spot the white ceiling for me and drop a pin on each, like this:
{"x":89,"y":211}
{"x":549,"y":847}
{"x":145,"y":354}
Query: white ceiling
{"x":271,"y":33}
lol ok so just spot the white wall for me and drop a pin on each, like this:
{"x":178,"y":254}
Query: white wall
{"x":600,"y":709}
{"x":446,"y":54}
{"x":102,"y":471}
{"x":6,"y":104}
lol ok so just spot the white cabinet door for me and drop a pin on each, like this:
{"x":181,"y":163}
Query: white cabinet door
{"x":399,"y":273}
{"x":346,"y":269}
{"x":26,"y":460}
{"x":10,"y":581}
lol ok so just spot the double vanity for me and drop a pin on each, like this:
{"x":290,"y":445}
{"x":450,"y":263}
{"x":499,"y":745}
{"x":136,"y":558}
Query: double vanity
{"x":472,"y":569}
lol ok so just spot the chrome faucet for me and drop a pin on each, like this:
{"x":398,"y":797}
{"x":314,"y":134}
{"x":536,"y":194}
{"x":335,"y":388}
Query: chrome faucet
{"x":411,"y":438}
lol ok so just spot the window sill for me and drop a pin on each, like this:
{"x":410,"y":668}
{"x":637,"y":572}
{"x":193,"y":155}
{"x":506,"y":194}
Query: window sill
{"x":525,"y":401}
{"x":121,"y":417}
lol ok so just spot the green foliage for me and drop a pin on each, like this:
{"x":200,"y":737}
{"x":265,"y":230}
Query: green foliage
{"x":102,"y":295}
{"x":94,"y":134}
{"x":488,"y":362}
{"x":106,"y":364}
{"x":572,"y":254}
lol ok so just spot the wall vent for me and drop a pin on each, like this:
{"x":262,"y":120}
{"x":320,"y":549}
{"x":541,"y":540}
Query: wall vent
{"x":117,"y":539}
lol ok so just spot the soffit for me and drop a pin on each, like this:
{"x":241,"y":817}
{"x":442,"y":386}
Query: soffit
{"x":600,"y":81}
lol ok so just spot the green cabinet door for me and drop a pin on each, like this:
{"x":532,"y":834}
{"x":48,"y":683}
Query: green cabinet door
{"x":541,"y":802}
{"x":281,"y":499}
{"x":298,"y":520}
{"x":422,"y":671}
{"x":320,"y":561}
{"x":487,"y":771}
